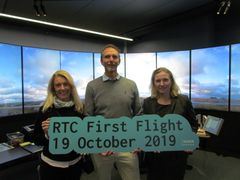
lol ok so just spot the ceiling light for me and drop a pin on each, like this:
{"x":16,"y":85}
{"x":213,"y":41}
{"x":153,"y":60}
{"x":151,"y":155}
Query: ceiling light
{"x":36,"y":10}
{"x":227,"y":7}
{"x":64,"y":26}
{"x":43,"y":9}
{"x":222,"y":3}
{"x":224,"y":7}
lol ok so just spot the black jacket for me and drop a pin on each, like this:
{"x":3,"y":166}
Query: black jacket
{"x":39,"y":136}
{"x":179,"y":105}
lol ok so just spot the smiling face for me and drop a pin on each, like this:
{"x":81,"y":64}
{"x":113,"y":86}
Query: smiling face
{"x":110,"y":59}
{"x":62,"y":88}
{"x":163,"y":83}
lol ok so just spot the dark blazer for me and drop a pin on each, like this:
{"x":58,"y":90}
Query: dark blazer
{"x":39,"y":136}
{"x":179,"y":105}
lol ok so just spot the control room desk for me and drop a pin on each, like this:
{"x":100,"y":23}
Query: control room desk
{"x":18,"y":154}
{"x":203,"y":137}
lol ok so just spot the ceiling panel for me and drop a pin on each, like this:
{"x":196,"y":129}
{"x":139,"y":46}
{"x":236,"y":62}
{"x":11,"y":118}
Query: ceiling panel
{"x":109,"y":16}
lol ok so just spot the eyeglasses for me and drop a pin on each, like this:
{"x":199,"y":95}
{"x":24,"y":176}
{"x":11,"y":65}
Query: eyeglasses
{"x":109,"y":56}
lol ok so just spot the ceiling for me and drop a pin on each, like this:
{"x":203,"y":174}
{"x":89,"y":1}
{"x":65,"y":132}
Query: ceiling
{"x":118,"y":17}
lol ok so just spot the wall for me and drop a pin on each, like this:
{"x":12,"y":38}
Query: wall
{"x":43,"y":37}
{"x":14,"y":123}
{"x":197,"y":28}
{"x":194,"y":29}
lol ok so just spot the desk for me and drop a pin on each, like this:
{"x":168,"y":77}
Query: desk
{"x":11,"y":156}
{"x":32,"y":148}
{"x":203,"y":137}
{"x":18,"y":154}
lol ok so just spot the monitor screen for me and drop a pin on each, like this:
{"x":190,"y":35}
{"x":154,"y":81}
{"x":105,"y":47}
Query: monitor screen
{"x":209,"y":89}
{"x":213,"y":124}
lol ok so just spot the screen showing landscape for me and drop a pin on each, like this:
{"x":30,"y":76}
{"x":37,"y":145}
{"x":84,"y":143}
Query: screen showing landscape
{"x":10,"y":80}
{"x":25,"y":72}
{"x":209,"y":78}
{"x":139,"y":68}
{"x":178,"y":63}
{"x":80,"y":66}
{"x":235,"y":78}
{"x":38,"y":67}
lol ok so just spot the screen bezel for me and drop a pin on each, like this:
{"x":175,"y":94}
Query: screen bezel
{"x":211,"y":119}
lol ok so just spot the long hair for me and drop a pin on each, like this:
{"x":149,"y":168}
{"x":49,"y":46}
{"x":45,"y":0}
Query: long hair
{"x":174,"y":89}
{"x":51,"y":92}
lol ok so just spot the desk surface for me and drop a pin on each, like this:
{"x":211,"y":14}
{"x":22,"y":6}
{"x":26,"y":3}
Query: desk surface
{"x":32,"y":148}
{"x":18,"y":154}
{"x":13,"y":154}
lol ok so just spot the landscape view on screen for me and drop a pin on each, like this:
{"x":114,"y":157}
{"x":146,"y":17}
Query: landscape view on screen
{"x":210,"y":78}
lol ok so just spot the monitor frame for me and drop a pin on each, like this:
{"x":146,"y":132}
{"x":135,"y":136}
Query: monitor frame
{"x":213,"y":124}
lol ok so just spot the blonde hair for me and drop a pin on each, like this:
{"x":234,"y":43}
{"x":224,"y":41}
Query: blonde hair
{"x":174,"y":89}
{"x":51,"y":92}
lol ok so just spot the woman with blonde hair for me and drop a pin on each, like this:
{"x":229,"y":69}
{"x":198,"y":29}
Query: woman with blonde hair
{"x":166,"y":99}
{"x":62,"y":100}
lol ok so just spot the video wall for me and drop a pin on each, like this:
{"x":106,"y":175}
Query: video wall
{"x":209,"y":76}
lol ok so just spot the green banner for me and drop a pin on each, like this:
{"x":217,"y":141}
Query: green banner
{"x":95,"y":134}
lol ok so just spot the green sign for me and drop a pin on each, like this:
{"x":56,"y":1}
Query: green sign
{"x":95,"y":134}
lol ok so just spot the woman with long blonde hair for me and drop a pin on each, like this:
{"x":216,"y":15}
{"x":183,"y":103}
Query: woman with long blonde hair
{"x":166,"y":99}
{"x":62,"y":100}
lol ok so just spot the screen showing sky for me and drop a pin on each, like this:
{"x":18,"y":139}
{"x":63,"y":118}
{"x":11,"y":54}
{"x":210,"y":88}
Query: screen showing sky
{"x":38,"y":67}
{"x":178,"y":63}
{"x":80,"y":66}
{"x":209,"y":74}
{"x":235,"y":78}
{"x":10,"y":80}
{"x":139,"y":68}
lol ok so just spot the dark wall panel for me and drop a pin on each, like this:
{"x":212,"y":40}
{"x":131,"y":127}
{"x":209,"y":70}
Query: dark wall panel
{"x":226,"y":143}
{"x":195,"y":29}
{"x":15,"y":123}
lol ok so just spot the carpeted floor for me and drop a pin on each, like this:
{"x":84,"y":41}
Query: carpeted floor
{"x":205,"y":166}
